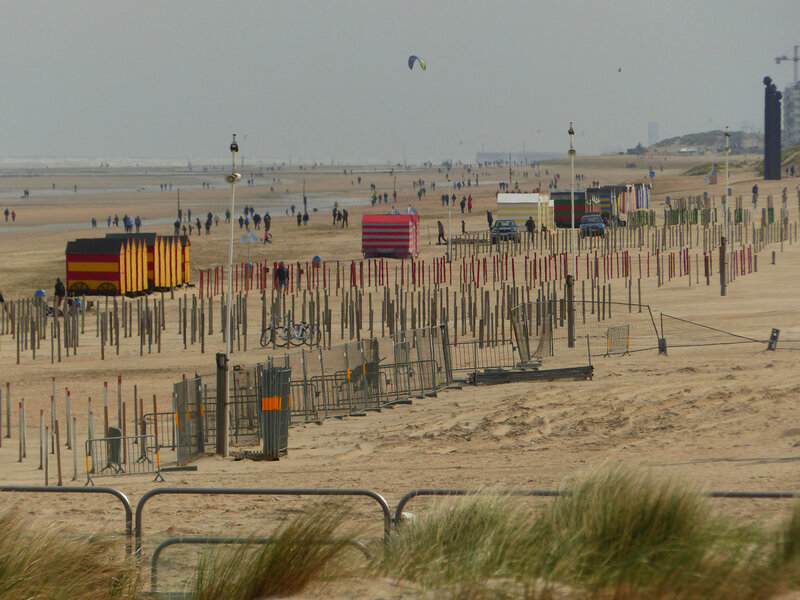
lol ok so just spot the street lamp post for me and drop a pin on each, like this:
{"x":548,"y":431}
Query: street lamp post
{"x":571,"y":193}
{"x":233,"y":178}
{"x":727,"y":175}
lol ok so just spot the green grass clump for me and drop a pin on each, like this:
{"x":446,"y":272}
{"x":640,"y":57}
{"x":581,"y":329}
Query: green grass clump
{"x":35,"y":564}
{"x":617,"y":534}
{"x":640,"y":537}
{"x":300,"y":552}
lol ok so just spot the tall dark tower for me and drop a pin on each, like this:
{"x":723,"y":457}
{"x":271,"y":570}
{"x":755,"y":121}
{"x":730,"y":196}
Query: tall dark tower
{"x":772,"y":130}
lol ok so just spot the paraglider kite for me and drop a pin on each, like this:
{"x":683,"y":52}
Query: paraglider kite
{"x":416,"y":58}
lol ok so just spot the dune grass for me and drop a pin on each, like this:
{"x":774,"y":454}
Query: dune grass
{"x":618,"y":534}
{"x":50,"y":564}
{"x":305,"y":549}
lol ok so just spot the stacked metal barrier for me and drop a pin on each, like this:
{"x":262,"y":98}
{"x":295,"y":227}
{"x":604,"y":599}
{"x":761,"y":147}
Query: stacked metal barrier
{"x":189,"y":409}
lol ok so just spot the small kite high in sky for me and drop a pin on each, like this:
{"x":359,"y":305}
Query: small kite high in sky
{"x":416,"y":58}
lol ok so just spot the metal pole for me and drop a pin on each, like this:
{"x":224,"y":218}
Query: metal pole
{"x":232,"y":179}
{"x":727,"y":178}
{"x":571,"y":195}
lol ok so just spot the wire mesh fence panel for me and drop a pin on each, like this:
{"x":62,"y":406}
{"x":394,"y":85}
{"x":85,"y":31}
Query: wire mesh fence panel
{"x":426,"y":364}
{"x":303,"y":398}
{"x":161,"y":425}
{"x":440,"y":352}
{"x":557,"y":342}
{"x":209,"y":414}
{"x":332,"y":382}
{"x":370,"y":384}
{"x":244,"y":407}
{"x":121,"y":455}
{"x":682,"y":333}
{"x":189,"y":419}
{"x":408,"y":363}
{"x":356,"y":376}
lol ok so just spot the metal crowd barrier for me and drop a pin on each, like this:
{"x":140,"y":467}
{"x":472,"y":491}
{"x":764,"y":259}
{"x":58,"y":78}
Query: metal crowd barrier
{"x":224,"y":540}
{"x":122,"y":455}
{"x":51,"y":489}
{"x":166,"y":428}
{"x":387,"y":517}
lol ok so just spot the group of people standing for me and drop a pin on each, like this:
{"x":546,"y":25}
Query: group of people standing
{"x":13,"y":214}
{"x":340,"y":217}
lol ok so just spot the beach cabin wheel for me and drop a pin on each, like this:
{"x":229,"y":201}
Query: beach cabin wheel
{"x":107,"y":288}
{"x":370,"y":253}
{"x":78,"y":288}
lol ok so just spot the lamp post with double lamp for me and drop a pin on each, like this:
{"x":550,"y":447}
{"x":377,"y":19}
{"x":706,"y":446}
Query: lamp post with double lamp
{"x":571,"y":194}
{"x":727,"y":175}
{"x":232,"y":178}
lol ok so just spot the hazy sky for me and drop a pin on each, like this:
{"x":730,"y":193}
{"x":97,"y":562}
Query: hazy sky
{"x":328,"y":80}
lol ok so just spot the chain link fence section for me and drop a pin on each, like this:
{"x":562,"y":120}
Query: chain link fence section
{"x":542,"y":330}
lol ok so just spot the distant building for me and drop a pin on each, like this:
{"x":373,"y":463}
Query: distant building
{"x":791,"y":115}
{"x":652,"y":133}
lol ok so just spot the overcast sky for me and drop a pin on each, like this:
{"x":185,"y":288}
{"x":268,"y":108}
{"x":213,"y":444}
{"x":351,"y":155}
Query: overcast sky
{"x":328,"y":80}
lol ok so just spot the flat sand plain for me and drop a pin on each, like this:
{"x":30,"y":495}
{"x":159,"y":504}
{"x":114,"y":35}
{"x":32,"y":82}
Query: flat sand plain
{"x":721,"y":417}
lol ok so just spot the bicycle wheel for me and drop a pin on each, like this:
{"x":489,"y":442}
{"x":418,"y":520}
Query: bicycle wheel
{"x":267,"y":335}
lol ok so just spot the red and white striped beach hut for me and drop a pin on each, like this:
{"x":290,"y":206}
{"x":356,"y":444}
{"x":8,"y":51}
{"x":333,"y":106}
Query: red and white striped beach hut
{"x":396,"y":236}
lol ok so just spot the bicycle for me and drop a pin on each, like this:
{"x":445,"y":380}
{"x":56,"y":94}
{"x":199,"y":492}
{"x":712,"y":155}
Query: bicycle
{"x":276,"y":334}
{"x":302,"y":333}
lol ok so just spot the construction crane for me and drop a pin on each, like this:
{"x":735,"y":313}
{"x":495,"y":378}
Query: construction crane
{"x":795,"y":59}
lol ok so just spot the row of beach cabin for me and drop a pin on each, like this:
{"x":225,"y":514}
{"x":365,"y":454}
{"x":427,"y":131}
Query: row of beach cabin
{"x":127,"y":263}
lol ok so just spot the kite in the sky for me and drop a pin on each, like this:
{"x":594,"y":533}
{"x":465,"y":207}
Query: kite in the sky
{"x":413,"y":58}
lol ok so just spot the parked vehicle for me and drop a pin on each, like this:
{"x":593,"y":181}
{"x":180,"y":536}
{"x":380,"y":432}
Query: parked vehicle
{"x":505,"y":229}
{"x":592,"y":225}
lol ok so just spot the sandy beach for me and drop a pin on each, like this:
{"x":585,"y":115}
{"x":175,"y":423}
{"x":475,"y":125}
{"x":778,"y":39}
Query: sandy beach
{"x":721,"y":417}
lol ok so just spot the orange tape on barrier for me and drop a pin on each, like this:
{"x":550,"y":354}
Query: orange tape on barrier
{"x":271,"y":403}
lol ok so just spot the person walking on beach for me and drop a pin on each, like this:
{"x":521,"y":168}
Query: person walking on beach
{"x":94,"y":223}
{"x":282,"y":276}
{"x":13,"y":216}
{"x":489,"y":218}
{"x":305,"y":219}
{"x":299,"y":218}
{"x":441,"y":239}
{"x":344,"y":218}
{"x":463,"y":204}
{"x":241,"y":222}
{"x":530,"y":225}
{"x":7,"y":213}
{"x":60,"y":292}
{"x":469,"y":204}
{"x":227,"y":215}
{"x":138,"y":222}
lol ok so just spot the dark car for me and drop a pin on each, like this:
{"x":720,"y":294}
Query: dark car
{"x":592,"y":225}
{"x":505,"y":229}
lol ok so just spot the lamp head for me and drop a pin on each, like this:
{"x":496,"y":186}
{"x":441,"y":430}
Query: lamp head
{"x":234,"y":145}
{"x":571,"y":131}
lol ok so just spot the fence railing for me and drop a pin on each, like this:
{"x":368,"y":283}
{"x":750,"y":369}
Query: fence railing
{"x":122,"y":455}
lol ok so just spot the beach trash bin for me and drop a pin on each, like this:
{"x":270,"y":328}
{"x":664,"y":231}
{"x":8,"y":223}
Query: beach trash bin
{"x":114,"y":449}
